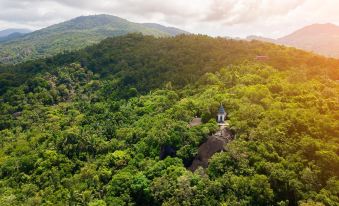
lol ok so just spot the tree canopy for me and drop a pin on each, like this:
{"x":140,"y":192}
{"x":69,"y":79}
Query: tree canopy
{"x":87,"y":128}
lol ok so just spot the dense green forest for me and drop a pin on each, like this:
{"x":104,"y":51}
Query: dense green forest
{"x":72,"y":35}
{"x":87,"y":127}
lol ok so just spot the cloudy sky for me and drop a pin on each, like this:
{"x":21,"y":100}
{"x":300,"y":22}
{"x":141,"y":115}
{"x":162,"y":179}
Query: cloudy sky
{"x":270,"y":18}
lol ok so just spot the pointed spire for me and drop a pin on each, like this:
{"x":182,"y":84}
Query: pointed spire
{"x":221,"y":109}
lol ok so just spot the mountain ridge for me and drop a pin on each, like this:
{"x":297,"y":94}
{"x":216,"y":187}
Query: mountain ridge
{"x":7,"y":32}
{"x":319,"y":38}
{"x":74,"y":34}
{"x":171,"y":30}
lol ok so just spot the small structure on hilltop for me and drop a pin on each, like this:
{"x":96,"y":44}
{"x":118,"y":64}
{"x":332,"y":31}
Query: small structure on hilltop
{"x":221,"y":115}
{"x":215,"y":143}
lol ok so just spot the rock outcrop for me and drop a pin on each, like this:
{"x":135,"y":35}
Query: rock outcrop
{"x":215,"y":143}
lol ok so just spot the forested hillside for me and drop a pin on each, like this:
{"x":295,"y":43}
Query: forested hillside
{"x":87,"y":127}
{"x":146,"y":63}
{"x":74,"y":34}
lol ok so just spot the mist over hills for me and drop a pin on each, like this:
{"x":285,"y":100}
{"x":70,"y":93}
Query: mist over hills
{"x":10,"y":34}
{"x":319,"y":38}
{"x":7,"y":32}
{"x":18,"y":45}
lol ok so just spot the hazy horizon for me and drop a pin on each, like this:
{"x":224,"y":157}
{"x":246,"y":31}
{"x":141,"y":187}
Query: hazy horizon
{"x":269,"y":18}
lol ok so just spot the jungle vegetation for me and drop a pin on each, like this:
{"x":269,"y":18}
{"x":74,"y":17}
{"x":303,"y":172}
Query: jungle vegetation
{"x":87,"y":127}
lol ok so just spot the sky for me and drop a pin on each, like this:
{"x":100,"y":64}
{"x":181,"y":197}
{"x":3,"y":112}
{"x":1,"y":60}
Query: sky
{"x":233,"y":18}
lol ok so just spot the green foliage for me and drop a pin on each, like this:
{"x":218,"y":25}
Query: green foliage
{"x":72,"y":35}
{"x":92,"y":134}
{"x":146,"y":63}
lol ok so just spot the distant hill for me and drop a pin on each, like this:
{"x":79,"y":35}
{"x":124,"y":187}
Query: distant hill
{"x":7,"y":32}
{"x":319,"y":38}
{"x":12,"y":34}
{"x":171,"y":30}
{"x":11,"y":37}
{"x":74,"y":34}
{"x":260,"y":38}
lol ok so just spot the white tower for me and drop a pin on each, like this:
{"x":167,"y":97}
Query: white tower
{"x":221,"y":114}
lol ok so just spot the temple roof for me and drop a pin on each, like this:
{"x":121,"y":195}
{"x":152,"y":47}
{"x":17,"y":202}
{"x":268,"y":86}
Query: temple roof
{"x":221,"y":110}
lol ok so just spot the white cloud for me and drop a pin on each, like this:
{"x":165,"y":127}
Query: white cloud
{"x":270,"y":18}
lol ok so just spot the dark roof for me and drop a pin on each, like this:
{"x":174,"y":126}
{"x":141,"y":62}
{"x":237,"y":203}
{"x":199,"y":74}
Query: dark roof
{"x":221,"y":110}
